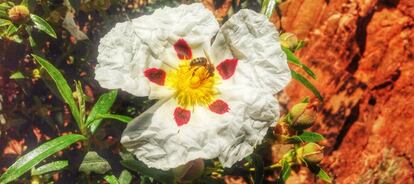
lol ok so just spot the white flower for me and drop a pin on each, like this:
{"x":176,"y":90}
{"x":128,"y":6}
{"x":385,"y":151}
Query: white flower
{"x":215,"y":100}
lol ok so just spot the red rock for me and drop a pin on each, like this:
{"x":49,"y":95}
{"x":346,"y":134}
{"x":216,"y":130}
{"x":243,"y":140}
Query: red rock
{"x":362,"y":52}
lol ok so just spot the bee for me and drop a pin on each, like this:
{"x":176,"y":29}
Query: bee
{"x":203,"y":62}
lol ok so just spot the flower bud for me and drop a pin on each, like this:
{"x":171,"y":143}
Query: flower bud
{"x":311,"y":153}
{"x":302,"y":116}
{"x":190,"y":171}
{"x":19,"y":14}
{"x":289,"y":40}
{"x":36,"y":73}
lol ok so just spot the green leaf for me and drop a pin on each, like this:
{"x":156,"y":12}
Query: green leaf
{"x":305,"y":100}
{"x":11,"y":30}
{"x":307,"y":84}
{"x":111,"y":179}
{"x":32,"y":42}
{"x":294,"y":60}
{"x":305,"y":137}
{"x":311,"y":137}
{"x":92,"y":162}
{"x":27,"y":161}
{"x":42,"y":25}
{"x":62,"y":86}
{"x":6,"y":5}
{"x":268,"y":7}
{"x":125,"y":177}
{"x":80,"y":97}
{"x":5,"y":22}
{"x":285,"y":172}
{"x":102,"y":106}
{"x":17,"y":75}
{"x":50,"y":167}
{"x":324,"y":176}
{"x":122,"y":118}
{"x":140,"y":167}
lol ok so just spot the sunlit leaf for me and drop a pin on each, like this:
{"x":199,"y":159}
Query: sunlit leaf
{"x":80,"y":97}
{"x":285,"y":172}
{"x":121,"y":118}
{"x":140,"y":167}
{"x":307,"y":84}
{"x":305,"y":137}
{"x":50,"y":167}
{"x":311,"y":137}
{"x":62,"y":86}
{"x":294,"y":60}
{"x":111,"y":179}
{"x":11,"y":30}
{"x":125,"y":177}
{"x":102,"y":106}
{"x":5,"y":22}
{"x":42,"y":25}
{"x":27,"y":161}
{"x":6,"y":5}
{"x":92,"y":162}
{"x":324,"y":176}
{"x":17,"y":75}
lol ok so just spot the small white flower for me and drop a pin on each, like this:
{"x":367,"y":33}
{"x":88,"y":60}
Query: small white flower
{"x":215,"y":100}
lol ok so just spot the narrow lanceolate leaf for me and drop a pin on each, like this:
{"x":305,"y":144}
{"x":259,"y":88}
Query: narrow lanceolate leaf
{"x":285,"y":172}
{"x":42,"y":25}
{"x":50,"y":167}
{"x":11,"y":30}
{"x":92,"y":162}
{"x":268,"y":7}
{"x":121,"y":118}
{"x":324,"y":176}
{"x":17,"y":75}
{"x":140,"y":167}
{"x":62,"y":86}
{"x":294,"y":60}
{"x":125,"y":177}
{"x":102,"y":106}
{"x":111,"y":179}
{"x":307,"y":84}
{"x":29,"y":160}
{"x":5,"y":22}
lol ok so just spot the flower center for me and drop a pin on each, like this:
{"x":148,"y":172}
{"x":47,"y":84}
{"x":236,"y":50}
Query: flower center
{"x":193,"y":84}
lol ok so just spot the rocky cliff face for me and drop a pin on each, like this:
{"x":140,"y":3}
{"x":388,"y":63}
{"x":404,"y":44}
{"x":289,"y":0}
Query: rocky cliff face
{"x":362,"y":52}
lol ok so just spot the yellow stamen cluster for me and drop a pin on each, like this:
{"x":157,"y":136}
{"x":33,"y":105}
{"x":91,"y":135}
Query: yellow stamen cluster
{"x":193,"y":85}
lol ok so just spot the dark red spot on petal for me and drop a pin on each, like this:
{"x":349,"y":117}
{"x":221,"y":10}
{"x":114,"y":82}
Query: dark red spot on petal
{"x":227,"y":68}
{"x":183,"y":49}
{"x":155,"y":75}
{"x":181,"y":116}
{"x":219,"y":107}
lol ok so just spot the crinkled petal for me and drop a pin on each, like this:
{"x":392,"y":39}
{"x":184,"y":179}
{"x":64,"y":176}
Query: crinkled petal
{"x":254,"y":41}
{"x":156,"y":139}
{"x":147,"y":42}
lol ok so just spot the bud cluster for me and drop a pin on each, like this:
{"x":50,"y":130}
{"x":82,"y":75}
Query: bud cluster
{"x":290,"y":127}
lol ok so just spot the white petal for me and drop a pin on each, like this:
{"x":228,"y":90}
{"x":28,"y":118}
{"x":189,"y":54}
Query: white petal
{"x":146,"y":42}
{"x":156,"y":140}
{"x":254,"y":41}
